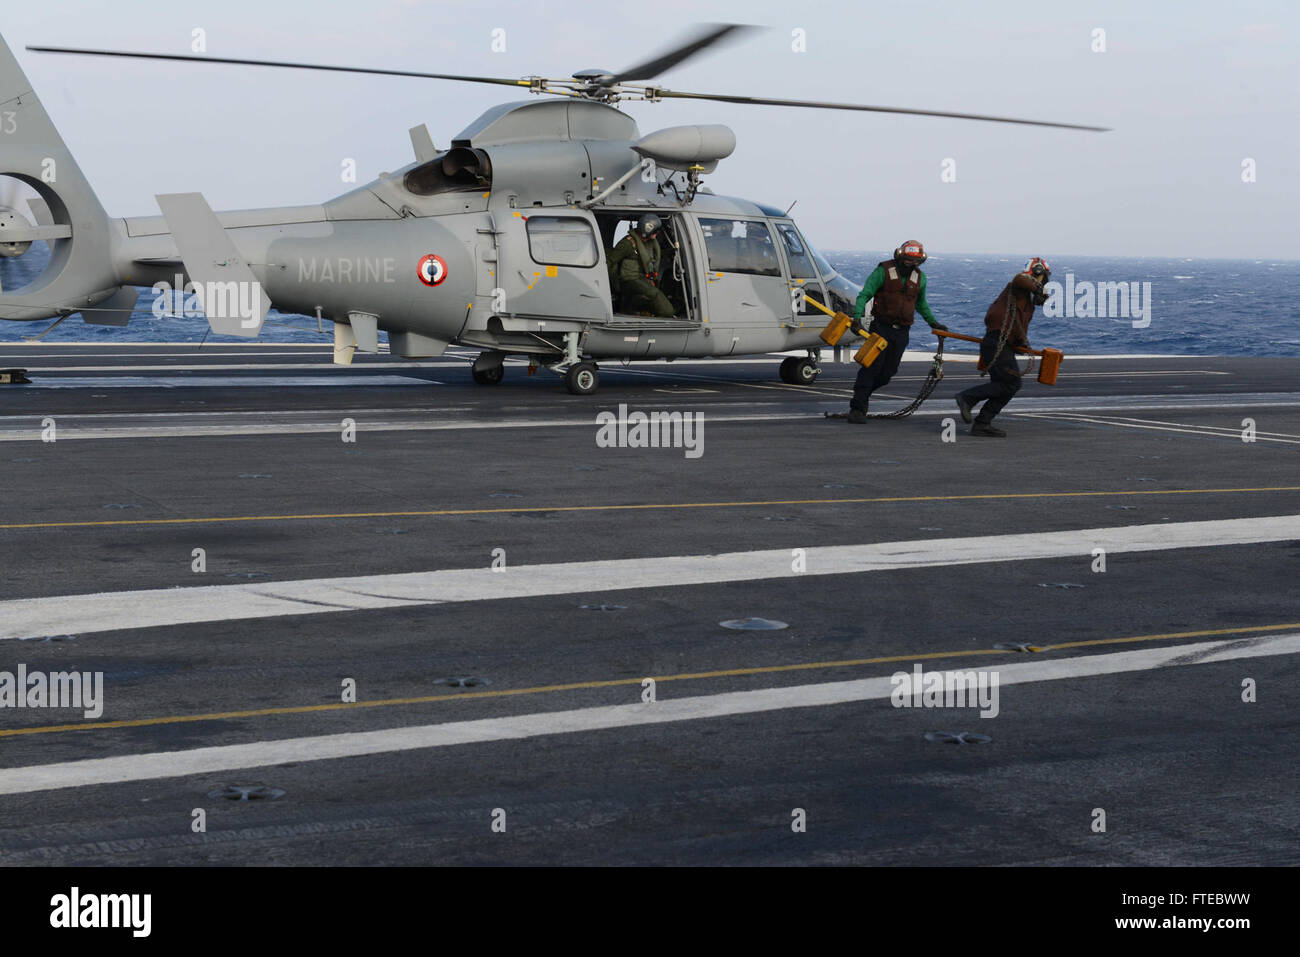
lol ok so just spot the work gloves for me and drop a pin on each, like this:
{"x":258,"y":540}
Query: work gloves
{"x":939,"y":327}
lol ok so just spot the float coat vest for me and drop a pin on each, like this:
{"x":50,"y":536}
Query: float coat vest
{"x":895,"y":300}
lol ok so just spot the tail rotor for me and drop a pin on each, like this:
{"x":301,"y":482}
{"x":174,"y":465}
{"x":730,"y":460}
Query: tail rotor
{"x":35,"y":164}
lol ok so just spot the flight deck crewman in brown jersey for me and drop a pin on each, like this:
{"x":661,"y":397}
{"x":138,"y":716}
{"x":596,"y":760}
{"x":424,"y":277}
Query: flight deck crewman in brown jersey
{"x":1006,"y":326}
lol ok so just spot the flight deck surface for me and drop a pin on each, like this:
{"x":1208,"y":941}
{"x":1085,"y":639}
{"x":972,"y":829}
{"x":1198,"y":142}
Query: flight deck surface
{"x":517,"y":695}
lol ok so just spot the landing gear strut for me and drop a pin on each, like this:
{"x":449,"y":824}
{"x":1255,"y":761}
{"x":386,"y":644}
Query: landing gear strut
{"x":489,"y":368}
{"x":580,"y":375}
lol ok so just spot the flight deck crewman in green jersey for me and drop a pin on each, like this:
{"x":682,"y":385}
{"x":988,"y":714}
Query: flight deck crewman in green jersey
{"x":896,"y":288}
{"x":636,"y":263}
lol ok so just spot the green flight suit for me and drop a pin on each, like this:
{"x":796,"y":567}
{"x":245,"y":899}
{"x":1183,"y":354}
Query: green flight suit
{"x":636,"y":264}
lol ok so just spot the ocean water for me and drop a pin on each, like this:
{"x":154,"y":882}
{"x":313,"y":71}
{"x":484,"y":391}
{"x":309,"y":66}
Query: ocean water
{"x":1189,"y":306}
{"x":1198,"y":307}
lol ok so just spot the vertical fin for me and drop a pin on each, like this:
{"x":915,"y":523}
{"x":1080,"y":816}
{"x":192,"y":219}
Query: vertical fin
{"x":231,"y":296}
{"x":422,"y":143}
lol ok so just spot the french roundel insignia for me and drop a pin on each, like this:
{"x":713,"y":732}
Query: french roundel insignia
{"x":432,"y":270}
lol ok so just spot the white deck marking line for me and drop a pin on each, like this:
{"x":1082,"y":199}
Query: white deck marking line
{"x":1164,"y":403}
{"x":227,"y":381}
{"x":770,"y":386}
{"x":174,"y":764}
{"x":1033,"y":408}
{"x":32,"y":433}
{"x":393,"y":363}
{"x":1118,"y":423}
{"x":948,"y":376}
{"x":385,"y":368}
{"x":26,"y":428}
{"x":114,"y":611}
{"x":198,"y":354}
{"x":26,"y":420}
{"x":1231,"y":430}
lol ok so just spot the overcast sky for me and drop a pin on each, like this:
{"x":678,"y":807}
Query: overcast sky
{"x":1192,"y":90}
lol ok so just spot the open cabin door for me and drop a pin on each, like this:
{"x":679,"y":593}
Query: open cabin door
{"x":677,"y":278}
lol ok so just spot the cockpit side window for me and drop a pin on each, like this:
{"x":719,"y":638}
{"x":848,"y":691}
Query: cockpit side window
{"x":801,"y":264}
{"x":740,"y":246}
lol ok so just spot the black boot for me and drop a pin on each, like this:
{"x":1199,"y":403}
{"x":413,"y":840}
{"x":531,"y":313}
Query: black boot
{"x":964,"y":406}
{"x":857,"y":417}
{"x":983,"y":428}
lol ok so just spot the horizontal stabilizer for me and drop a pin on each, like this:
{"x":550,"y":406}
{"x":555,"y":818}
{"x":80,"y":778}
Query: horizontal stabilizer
{"x":229,"y":293}
{"x":27,"y":234}
{"x":40,"y":211}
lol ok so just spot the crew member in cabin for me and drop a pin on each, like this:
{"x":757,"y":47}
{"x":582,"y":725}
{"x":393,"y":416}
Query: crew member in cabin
{"x":896,"y":289}
{"x":1006,"y":326}
{"x":635,"y":261}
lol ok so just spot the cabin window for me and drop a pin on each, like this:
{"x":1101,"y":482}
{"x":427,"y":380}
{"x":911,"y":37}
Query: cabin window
{"x":740,"y":245}
{"x":562,"y":241}
{"x":801,"y":264}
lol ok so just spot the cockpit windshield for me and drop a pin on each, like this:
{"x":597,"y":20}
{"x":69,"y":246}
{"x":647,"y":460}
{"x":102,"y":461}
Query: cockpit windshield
{"x":841,"y":293}
{"x":806,"y":262}
{"x":826,"y":268}
{"x":798,"y":250}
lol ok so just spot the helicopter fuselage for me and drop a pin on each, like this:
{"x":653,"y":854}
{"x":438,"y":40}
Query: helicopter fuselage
{"x":501,"y":243}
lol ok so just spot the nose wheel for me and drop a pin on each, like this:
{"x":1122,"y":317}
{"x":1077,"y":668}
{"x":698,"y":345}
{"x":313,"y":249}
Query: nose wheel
{"x":797,"y":371}
{"x":582,"y":379}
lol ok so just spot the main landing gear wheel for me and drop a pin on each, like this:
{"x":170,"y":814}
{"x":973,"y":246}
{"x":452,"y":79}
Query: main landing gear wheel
{"x":799,"y":371}
{"x":491,"y":376}
{"x":489,"y":369}
{"x":582,"y":379}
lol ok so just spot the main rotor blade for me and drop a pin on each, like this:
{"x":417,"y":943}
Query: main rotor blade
{"x":821,"y":105}
{"x":712,"y":33}
{"x":500,"y":81}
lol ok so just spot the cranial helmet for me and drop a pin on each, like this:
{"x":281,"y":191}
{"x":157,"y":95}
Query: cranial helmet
{"x":910,"y":255}
{"x":649,"y":224}
{"x":1039,"y":269}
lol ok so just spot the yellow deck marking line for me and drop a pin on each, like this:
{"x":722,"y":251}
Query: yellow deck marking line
{"x":616,"y":682}
{"x":515,"y":510}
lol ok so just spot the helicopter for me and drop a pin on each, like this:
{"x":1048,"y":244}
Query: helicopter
{"x":500,"y":242}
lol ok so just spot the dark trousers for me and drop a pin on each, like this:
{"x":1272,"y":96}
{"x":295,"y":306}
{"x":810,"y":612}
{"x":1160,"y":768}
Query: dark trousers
{"x":641,"y":295}
{"x":1004,"y":379}
{"x":875,"y":376}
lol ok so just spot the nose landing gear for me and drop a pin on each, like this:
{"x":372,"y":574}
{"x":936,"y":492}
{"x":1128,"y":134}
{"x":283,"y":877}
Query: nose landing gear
{"x":796,"y":371}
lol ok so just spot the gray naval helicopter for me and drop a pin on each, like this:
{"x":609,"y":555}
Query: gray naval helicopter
{"x":498,"y":242}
